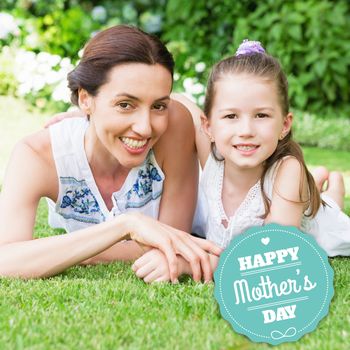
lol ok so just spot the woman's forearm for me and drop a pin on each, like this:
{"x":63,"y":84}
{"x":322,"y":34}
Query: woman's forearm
{"x":48,"y":256}
{"x":121,"y":251}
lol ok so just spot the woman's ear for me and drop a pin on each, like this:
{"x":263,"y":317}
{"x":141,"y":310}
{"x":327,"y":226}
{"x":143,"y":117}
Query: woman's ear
{"x":85,"y":101}
{"x":205,"y":126}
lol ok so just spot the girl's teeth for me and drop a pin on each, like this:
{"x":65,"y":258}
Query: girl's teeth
{"x":246,"y":148}
{"x":133,"y":143}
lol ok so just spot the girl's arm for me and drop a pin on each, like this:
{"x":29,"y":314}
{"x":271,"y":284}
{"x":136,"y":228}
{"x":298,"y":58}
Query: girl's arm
{"x":176,"y":149}
{"x":76,"y":113}
{"x":290,"y":194}
{"x":179,"y":197}
{"x":177,"y":153}
{"x":201,"y":139}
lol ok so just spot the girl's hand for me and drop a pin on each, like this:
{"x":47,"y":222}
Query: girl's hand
{"x":171,"y":242}
{"x":152,"y":267}
{"x":60,"y":116}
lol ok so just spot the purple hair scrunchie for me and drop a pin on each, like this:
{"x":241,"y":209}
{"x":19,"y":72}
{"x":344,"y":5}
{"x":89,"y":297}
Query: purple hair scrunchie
{"x":249,"y":47}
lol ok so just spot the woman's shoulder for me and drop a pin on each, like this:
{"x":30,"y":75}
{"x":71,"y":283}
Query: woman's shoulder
{"x":38,"y":143}
{"x":32,"y":161}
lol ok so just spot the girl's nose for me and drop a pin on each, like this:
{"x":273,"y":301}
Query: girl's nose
{"x":245,"y":127}
{"x":142,"y":124}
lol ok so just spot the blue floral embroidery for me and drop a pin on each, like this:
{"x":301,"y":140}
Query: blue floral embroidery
{"x":78,"y":202}
{"x":142,"y":188}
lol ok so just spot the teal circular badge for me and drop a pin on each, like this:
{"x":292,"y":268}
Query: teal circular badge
{"x":273,"y":284}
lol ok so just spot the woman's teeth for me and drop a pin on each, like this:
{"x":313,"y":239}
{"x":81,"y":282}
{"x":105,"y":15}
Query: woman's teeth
{"x":133,"y":143}
{"x":246,"y":148}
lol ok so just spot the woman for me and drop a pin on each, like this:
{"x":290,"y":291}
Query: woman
{"x":133,"y":162}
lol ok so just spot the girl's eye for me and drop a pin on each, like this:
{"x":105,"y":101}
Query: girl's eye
{"x":160,"y":107}
{"x":231,"y":116}
{"x":262,"y":115}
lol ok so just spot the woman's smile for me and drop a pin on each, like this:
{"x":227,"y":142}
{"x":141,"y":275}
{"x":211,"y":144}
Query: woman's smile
{"x":134,"y":146}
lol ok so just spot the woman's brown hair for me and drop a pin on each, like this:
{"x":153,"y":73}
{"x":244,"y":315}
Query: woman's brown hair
{"x":267,"y":67}
{"x":113,"y":46}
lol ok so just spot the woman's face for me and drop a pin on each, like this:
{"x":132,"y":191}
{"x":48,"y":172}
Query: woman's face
{"x":130,"y":111}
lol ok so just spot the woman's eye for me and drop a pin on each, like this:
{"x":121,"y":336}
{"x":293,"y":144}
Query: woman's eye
{"x":231,"y":116}
{"x":262,"y":115}
{"x":160,"y":107}
{"x":124,"y":105}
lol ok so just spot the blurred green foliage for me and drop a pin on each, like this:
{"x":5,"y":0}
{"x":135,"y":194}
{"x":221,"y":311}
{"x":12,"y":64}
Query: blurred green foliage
{"x":310,"y":37}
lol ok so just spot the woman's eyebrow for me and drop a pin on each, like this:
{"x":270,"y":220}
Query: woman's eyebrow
{"x":124,"y":94}
{"x":163,"y":98}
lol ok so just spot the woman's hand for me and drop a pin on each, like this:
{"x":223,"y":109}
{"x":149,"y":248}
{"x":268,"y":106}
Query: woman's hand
{"x":171,"y":242}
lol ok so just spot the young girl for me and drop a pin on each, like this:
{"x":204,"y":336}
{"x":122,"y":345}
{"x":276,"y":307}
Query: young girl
{"x":253,"y":171}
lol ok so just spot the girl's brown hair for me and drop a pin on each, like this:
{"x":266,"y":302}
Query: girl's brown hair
{"x":113,"y":46}
{"x":267,"y":67}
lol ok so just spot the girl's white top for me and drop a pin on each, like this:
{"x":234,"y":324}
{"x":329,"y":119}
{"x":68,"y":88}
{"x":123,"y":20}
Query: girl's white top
{"x":79,"y":203}
{"x":330,"y":227}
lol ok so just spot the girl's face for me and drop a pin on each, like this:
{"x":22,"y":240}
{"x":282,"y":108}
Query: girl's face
{"x":130,"y":111}
{"x":246,"y":119}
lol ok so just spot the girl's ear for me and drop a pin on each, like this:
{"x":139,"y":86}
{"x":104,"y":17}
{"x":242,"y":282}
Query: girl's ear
{"x":287,"y":123}
{"x":205,"y":126}
{"x":85,"y":101}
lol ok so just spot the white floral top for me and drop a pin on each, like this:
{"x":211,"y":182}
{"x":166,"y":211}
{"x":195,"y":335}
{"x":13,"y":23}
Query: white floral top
{"x":79,"y":202}
{"x":330,"y":227}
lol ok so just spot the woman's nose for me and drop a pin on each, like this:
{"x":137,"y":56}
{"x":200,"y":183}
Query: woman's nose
{"x":142,"y":124}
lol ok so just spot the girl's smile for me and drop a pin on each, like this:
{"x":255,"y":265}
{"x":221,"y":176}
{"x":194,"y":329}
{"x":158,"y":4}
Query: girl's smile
{"x":246,"y":149}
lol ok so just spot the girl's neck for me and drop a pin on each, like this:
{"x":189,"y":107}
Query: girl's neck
{"x":236,"y":184}
{"x":241,"y":179}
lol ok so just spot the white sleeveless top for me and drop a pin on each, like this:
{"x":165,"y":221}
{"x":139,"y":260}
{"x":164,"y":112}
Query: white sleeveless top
{"x":330,"y":227}
{"x":79,"y":203}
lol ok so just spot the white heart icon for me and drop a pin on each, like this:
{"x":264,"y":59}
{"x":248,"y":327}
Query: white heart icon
{"x":265,"y":240}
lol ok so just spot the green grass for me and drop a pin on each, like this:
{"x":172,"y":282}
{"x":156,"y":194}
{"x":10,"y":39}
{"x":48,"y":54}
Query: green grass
{"x":107,"y":307}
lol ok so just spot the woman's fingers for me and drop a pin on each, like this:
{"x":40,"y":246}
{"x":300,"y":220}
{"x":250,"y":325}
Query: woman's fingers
{"x":189,"y":249}
{"x":186,"y":249}
{"x":166,"y":246}
{"x":204,"y":260}
{"x":208,"y":246}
